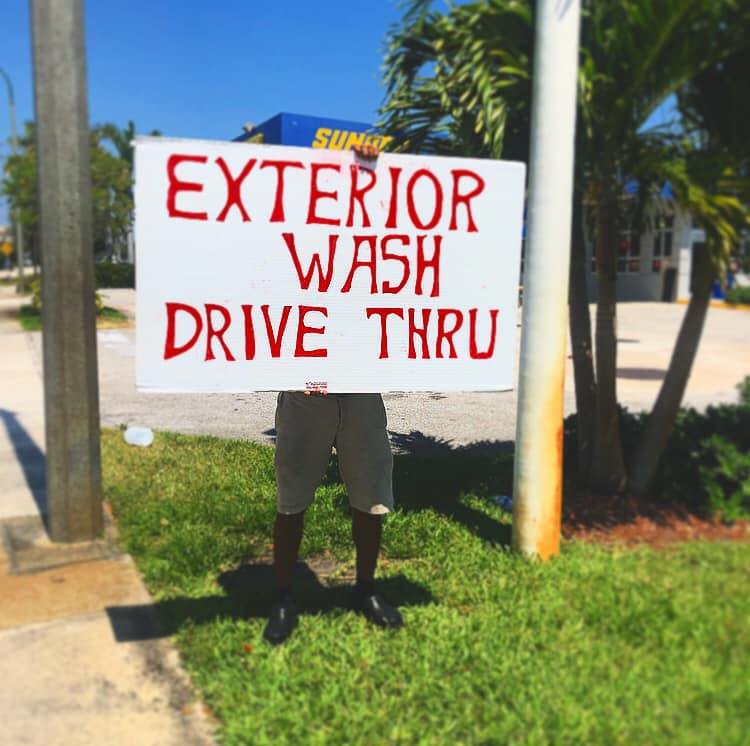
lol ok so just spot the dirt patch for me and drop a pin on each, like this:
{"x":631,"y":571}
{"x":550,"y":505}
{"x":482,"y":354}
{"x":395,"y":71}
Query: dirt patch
{"x":326,"y":567}
{"x":8,"y":312}
{"x":114,"y":324}
{"x":632,"y":521}
{"x":322,"y":567}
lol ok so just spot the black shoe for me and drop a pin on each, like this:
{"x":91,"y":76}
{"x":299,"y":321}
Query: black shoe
{"x":281,"y":621}
{"x":375,"y":608}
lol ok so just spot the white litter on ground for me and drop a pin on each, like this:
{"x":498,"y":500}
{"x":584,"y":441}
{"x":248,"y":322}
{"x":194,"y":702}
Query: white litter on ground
{"x":118,"y":341}
{"x":504,"y":501}
{"x":139,"y":436}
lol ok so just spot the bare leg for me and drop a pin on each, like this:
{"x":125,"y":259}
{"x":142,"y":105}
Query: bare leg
{"x":287,"y":535}
{"x":367,"y":530}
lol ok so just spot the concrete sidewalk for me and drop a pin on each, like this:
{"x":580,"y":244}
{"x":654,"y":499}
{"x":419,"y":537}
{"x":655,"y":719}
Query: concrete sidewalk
{"x":22,"y":415}
{"x":83,"y":658}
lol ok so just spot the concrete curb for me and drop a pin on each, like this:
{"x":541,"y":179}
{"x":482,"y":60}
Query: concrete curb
{"x":722,"y":305}
{"x":85,"y":658}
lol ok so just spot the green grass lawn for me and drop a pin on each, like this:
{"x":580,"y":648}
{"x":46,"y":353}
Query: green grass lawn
{"x":598,"y":646}
{"x":108,"y":318}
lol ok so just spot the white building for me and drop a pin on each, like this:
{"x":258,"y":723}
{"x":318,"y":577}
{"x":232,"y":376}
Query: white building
{"x":655,"y":265}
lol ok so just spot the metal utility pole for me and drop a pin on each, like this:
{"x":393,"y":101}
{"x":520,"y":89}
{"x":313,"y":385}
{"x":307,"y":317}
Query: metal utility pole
{"x":68,"y":312}
{"x":537,"y":488}
{"x":14,"y":150}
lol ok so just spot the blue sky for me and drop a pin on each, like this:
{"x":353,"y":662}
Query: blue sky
{"x":195,"y":68}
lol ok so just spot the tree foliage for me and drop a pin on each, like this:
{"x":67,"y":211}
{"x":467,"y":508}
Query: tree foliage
{"x":111,"y":162}
{"x":19,"y":186}
{"x":459,"y":82}
{"x":111,"y":198}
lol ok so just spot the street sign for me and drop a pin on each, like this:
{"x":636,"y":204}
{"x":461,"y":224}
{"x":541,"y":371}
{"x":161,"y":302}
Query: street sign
{"x":6,"y":248}
{"x":325,"y":271}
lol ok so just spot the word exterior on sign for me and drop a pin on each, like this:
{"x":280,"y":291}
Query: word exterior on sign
{"x":275,"y":268}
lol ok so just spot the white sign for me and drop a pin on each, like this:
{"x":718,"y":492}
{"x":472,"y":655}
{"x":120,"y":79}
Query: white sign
{"x":263,"y":267}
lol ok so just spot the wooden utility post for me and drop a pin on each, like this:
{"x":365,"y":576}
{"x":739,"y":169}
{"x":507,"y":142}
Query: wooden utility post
{"x":68,"y":313}
{"x":537,"y":484}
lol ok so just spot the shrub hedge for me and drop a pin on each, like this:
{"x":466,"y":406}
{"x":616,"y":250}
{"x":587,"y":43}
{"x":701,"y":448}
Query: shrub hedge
{"x":706,"y":464}
{"x":36,"y":296}
{"x":738,"y":296}
{"x":109,"y":275}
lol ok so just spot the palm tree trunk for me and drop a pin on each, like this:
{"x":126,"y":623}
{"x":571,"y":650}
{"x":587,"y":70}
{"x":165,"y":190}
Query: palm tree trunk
{"x":608,"y":466}
{"x":580,"y":342}
{"x":662,"y":418}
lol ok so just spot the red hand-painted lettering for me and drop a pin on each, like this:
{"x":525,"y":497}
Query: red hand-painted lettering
{"x":177,"y":185}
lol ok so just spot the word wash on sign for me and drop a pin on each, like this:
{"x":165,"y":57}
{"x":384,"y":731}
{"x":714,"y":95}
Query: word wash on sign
{"x":368,"y":251}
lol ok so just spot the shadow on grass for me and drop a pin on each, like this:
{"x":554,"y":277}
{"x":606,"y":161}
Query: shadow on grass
{"x":431,"y":474}
{"x":249,"y":594}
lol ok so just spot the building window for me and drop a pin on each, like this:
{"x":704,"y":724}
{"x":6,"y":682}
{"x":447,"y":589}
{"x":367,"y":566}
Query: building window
{"x":629,"y":252}
{"x":628,"y":242}
{"x":663,"y":241}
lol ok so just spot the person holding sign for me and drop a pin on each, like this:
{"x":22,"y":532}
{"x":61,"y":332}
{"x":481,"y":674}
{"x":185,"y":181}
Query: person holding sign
{"x":308,"y":424}
{"x":327,"y":275}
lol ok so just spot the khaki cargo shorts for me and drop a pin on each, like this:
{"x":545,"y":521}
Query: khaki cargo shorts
{"x":306,"y":429}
